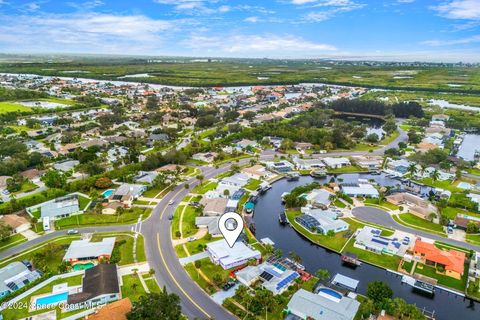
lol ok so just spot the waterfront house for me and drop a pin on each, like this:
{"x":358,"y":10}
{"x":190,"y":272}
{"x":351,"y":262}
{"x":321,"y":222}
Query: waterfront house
{"x":336,"y":163}
{"x":282,"y":166}
{"x":416,"y":205}
{"x":370,"y":239}
{"x":221,"y":254}
{"x":273,"y":278}
{"x":325,"y":220}
{"x":319,"y":198}
{"x":359,"y":190}
{"x":326,"y":305}
{"x":450,"y":262}
{"x":257,"y":172}
{"x":308,"y":164}
{"x":368,"y":162}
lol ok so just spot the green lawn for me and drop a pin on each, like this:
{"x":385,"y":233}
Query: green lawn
{"x":22,"y":310}
{"x":473,"y":238}
{"x":473,"y":289}
{"x":193,"y":247}
{"x":444,"y":280}
{"x":252,"y":184}
{"x":445,"y":184}
{"x":132,"y":287}
{"x":188,"y":224}
{"x":93,"y":219}
{"x":83,"y":202}
{"x":176,"y":221}
{"x":125,"y":249}
{"x":390,"y":138}
{"x":194,"y":274}
{"x":205,"y":187}
{"x":11,"y":241}
{"x":346,"y":169}
{"x":413,"y":221}
{"x":152,"y":285}
{"x":407,"y":266}
{"x":382,"y":260}
{"x":339,"y":204}
{"x":452,"y":212}
{"x":384,"y":204}
{"x":334,"y":243}
{"x":27,"y":186}
{"x":157,"y":192}
{"x":6,"y":107}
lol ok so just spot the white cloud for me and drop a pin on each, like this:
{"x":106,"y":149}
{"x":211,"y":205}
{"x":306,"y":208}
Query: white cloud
{"x":459,"y":9}
{"x":255,"y":45}
{"x":405,"y":1}
{"x":85,"y":32}
{"x":326,"y":3}
{"x":319,"y":16}
{"x":252,"y":19}
{"x":438,"y":43}
{"x":195,"y":7}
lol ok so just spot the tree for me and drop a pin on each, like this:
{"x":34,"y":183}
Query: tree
{"x":5,"y":231}
{"x":156,"y":306}
{"x":372,"y":137}
{"x":200,"y":178}
{"x":103,"y":183}
{"x":330,"y":233}
{"x":54,"y":179}
{"x":152,"y":102}
{"x":322,"y":274}
{"x":472,"y":227}
{"x":412,"y":169}
{"x":286,"y":144}
{"x":435,"y":175}
{"x":378,"y":291}
{"x":15,"y":183}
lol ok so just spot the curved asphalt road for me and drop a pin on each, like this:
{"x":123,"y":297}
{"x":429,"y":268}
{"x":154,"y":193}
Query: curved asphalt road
{"x":158,"y":245}
{"x":383,"y":218}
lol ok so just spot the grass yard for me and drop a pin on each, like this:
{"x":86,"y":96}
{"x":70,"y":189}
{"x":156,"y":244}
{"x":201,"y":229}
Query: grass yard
{"x":339,"y":204}
{"x":413,"y":221}
{"x":381,"y":260}
{"x":193,"y":247}
{"x":195,"y":275}
{"x":7,"y":106}
{"x":27,"y":186}
{"x":384,"y":204}
{"x":22,"y":307}
{"x":334,"y":243}
{"x":252,"y":184}
{"x":390,"y":138}
{"x":407,"y":266}
{"x":94,"y":219}
{"x":83,"y":202}
{"x":205,"y":187}
{"x":176,"y":222}
{"x":11,"y":241}
{"x":152,"y":285}
{"x":444,"y":280}
{"x":347,"y":169}
{"x":157,"y":192}
{"x":188,"y":224}
{"x":473,"y":238}
{"x":445,"y":184}
{"x":132,"y":287}
{"x":452,"y":212}
{"x":125,"y":249}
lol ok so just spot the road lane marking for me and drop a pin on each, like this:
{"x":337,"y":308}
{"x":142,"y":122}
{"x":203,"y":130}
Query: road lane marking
{"x":175,"y":280}
{"x":166,"y":266}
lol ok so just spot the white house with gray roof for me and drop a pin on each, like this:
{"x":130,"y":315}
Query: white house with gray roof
{"x":86,"y":250}
{"x":326,"y":305}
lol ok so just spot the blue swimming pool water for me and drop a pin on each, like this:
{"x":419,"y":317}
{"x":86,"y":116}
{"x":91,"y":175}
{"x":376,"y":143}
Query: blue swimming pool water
{"x":331,"y":292}
{"x":107,"y":193}
{"x":55,"y":298}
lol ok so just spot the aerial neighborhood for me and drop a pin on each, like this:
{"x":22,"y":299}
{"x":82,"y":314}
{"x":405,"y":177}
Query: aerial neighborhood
{"x":111,"y":189}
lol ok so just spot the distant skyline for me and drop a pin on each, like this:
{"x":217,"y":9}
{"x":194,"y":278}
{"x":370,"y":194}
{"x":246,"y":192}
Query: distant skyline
{"x":397,"y":30}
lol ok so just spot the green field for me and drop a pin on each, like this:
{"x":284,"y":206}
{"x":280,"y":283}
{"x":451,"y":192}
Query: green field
{"x":12,"y":107}
{"x":248,"y":72}
{"x":447,"y":281}
{"x":423,"y":97}
{"x":132,"y":287}
{"x":94,"y":219}
{"x":413,"y":221}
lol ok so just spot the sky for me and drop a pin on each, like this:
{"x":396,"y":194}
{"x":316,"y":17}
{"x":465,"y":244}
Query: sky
{"x":405,"y":30}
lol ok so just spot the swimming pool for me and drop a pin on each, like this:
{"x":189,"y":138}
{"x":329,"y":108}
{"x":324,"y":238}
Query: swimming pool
{"x":329,"y":293}
{"x":83,"y":266}
{"x":51,"y":300}
{"x":465,"y":185}
{"x":107,"y":193}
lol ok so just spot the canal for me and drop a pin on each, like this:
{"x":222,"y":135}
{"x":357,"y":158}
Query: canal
{"x":446,"y":305}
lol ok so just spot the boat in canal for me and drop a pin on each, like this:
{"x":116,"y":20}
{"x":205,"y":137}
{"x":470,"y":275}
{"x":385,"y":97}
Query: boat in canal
{"x":350,"y":259}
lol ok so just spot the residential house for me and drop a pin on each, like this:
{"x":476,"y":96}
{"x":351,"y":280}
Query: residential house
{"x":85,"y":250}
{"x":370,"y":239}
{"x":451,"y":262}
{"x":237,"y":180}
{"x":245,"y":143}
{"x":126,"y":193}
{"x":275,"y":279}
{"x":359,"y":190}
{"x":15,"y":276}
{"x":58,"y":208}
{"x":319,"y":198}
{"x":326,"y":305}
{"x":416,"y":205}
{"x":257,"y":172}
{"x":336,"y":163}
{"x":208,"y":157}
{"x":398,"y":167}
{"x":323,"y":220}
{"x":221,"y":254}
{"x":308,"y":164}
{"x":211,"y":223}
{"x":157,"y":137}
{"x":33,"y":175}
{"x":116,"y":153}
{"x":18,"y":223}
{"x":117,"y":310}
{"x":99,"y":286}
{"x":66,"y":165}
{"x":368,"y":162}
{"x":145,"y":177}
{"x":214,"y":207}
{"x":282,"y":166}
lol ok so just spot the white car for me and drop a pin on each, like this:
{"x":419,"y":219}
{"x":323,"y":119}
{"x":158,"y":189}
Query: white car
{"x":171,"y":202}
{"x":191,"y":239}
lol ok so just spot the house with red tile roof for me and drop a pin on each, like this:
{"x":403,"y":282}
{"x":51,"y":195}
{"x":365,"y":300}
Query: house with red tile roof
{"x":452,"y":261}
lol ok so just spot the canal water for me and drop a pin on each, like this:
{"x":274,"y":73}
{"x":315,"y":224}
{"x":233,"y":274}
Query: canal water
{"x":446,"y":305}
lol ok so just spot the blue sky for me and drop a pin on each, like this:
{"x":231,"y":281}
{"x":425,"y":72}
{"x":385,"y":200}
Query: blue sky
{"x":388,"y":30}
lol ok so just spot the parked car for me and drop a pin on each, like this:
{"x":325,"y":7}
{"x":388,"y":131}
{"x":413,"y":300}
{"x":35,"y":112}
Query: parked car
{"x":171,"y":202}
{"x":72,"y":231}
{"x":191,"y":239}
{"x":227,"y":286}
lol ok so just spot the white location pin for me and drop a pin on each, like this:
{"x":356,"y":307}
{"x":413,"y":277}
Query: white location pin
{"x":230,"y":225}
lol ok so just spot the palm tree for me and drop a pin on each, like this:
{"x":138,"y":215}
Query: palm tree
{"x":412,"y":169}
{"x":322,"y":274}
{"x":423,"y":166}
{"x":200,"y":178}
{"x":435,"y":175}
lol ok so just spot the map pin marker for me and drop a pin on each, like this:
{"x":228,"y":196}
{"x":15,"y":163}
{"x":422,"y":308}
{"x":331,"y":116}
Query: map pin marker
{"x":230,"y":225}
